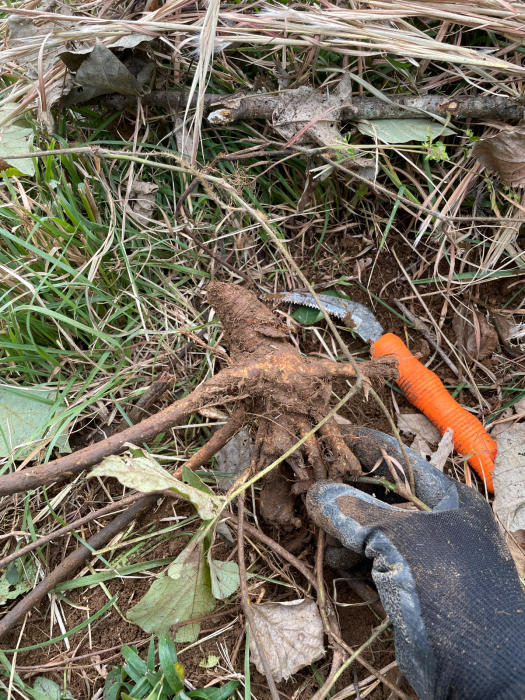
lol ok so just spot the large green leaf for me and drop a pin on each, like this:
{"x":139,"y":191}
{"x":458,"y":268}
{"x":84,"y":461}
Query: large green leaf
{"x":184,"y":594}
{"x":26,"y":418}
{"x":146,"y":475}
{"x":403,"y":130}
{"x":15,"y":139}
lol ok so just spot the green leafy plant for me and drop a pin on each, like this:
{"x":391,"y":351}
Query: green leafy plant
{"x":159,"y":677}
{"x":195,"y":580}
{"x":437,"y":151}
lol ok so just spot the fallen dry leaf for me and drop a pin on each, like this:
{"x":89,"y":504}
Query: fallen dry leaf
{"x":183,"y":137}
{"x":418,"y":424}
{"x":505,"y":154}
{"x":509,"y":333}
{"x":291,"y":636}
{"x":233,"y":458}
{"x":475,"y":335}
{"x":142,"y":198}
{"x":24,"y":29}
{"x":519,"y":406}
{"x":509,"y":478}
{"x":99,"y":71}
{"x":425,"y":434}
{"x":509,"y":490}
{"x":503,"y":423}
{"x":444,"y":450}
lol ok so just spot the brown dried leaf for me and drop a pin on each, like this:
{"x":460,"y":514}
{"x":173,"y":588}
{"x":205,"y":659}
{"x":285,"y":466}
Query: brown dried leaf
{"x":24,"y":29}
{"x":509,"y":478}
{"x":508,"y":331}
{"x":99,"y":71}
{"x":509,"y":489}
{"x":443,"y":451}
{"x":291,"y":119}
{"x":234,"y":458}
{"x":504,"y":153}
{"x":477,"y":337}
{"x":418,"y":424}
{"x":142,"y":198}
{"x":425,"y":434}
{"x":291,"y":636}
{"x":501,"y":425}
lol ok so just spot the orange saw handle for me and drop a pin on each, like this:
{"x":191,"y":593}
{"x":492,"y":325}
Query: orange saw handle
{"x":427,"y":393}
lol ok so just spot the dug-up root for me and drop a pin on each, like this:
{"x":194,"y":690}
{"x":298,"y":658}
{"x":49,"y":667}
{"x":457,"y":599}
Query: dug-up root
{"x":283,"y":392}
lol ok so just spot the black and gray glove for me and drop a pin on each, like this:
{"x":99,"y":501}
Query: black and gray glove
{"x":445,"y":577}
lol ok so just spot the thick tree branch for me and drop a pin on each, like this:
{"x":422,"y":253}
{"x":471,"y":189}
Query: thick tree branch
{"x":224,"y":109}
{"x":211,"y":392}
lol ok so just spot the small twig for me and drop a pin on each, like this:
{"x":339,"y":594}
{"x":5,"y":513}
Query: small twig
{"x":246,"y":603}
{"x":367,"y":594}
{"x":327,"y":615}
{"x":231,"y":108}
{"x":347,"y":692}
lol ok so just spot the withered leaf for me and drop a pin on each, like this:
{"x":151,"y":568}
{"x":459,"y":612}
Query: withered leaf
{"x":26,"y":30}
{"x":509,"y":490}
{"x":291,"y":635}
{"x":475,"y":335}
{"x":142,"y":198}
{"x":234,"y":458}
{"x":425,"y":434}
{"x":508,"y":332}
{"x":509,"y":478}
{"x":505,"y":154}
{"x":145,"y":474}
{"x":99,"y":71}
{"x":445,"y":448}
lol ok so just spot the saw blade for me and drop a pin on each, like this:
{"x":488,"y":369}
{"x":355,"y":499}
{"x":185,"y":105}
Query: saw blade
{"x":355,"y":315}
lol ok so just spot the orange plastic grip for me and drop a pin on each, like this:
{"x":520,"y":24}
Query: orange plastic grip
{"x":427,"y":392}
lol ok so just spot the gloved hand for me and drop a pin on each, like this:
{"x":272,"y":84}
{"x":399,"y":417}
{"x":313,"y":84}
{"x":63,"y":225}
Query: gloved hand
{"x":445,"y":577}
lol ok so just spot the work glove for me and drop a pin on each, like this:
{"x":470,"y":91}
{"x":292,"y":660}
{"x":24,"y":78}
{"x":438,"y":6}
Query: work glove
{"x":445,"y":577}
